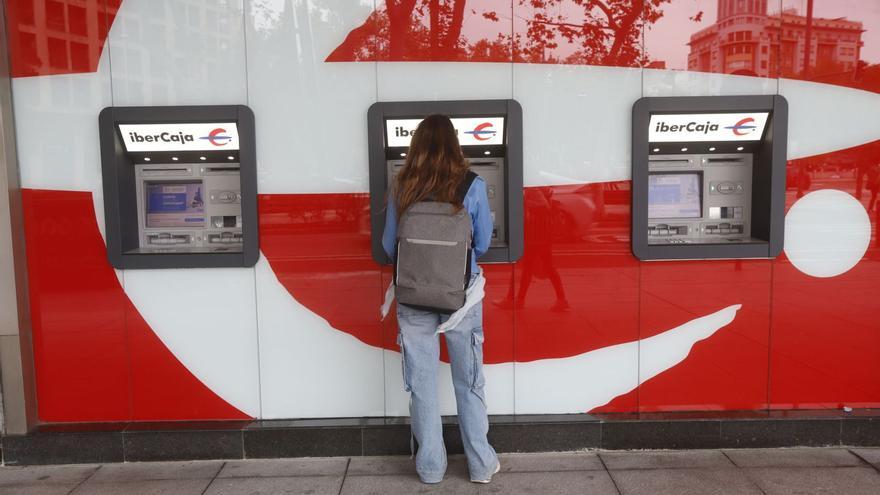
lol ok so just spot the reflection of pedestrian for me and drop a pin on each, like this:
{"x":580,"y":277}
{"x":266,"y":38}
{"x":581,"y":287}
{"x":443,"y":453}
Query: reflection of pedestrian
{"x":537,"y":260}
{"x":803,"y":180}
{"x":873,"y":183}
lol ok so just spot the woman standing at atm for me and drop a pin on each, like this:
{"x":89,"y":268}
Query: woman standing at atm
{"x":436,"y":168}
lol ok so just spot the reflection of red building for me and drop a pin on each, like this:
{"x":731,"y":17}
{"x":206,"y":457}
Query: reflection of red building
{"x":58,"y":36}
{"x":746,"y":40}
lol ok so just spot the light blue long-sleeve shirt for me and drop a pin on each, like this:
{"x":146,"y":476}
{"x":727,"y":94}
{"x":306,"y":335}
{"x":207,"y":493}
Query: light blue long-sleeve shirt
{"x":476,"y":202}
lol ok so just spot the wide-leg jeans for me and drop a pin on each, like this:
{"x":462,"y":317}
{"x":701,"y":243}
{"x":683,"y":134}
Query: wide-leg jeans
{"x":420,"y":347}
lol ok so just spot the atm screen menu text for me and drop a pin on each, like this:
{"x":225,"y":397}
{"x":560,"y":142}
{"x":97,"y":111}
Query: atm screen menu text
{"x":674,"y":196}
{"x":175,"y":205}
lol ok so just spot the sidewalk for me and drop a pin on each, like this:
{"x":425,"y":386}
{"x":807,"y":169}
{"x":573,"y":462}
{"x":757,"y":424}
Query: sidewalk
{"x":836,"y":470}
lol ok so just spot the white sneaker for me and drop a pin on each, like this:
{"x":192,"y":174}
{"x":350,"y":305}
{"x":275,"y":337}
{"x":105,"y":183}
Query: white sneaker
{"x":489,"y":480}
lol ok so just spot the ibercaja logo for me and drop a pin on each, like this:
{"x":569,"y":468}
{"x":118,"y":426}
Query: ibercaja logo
{"x":482,"y":132}
{"x":743,"y":127}
{"x":217,"y":137}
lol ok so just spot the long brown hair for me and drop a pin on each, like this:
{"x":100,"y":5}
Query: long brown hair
{"x":435,"y":165}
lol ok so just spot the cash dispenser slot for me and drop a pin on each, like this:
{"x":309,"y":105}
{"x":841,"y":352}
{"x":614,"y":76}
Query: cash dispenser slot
{"x":225,"y":238}
{"x":168,"y":171}
{"x":725,"y":161}
{"x":222,"y":170}
{"x":674,"y":162}
{"x":167,"y":238}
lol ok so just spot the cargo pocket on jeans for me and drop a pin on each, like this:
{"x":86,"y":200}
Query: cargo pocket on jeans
{"x":478,"y":380}
{"x":406,"y":386}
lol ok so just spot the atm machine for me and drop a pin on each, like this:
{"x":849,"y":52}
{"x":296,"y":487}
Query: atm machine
{"x":708,"y":177}
{"x":490,"y":134}
{"x":179,"y":186}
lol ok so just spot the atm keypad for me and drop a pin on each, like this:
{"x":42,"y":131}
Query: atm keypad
{"x":724,"y":228}
{"x":165,"y":238}
{"x":666,"y":230}
{"x":225,"y":238}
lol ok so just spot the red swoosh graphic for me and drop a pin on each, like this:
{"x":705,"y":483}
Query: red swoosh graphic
{"x":106,"y":363}
{"x":103,"y":363}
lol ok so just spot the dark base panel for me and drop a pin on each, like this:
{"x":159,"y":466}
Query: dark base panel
{"x":129,"y":442}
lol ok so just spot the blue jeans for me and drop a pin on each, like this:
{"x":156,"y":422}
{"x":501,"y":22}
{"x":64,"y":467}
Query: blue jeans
{"x":421,"y":354}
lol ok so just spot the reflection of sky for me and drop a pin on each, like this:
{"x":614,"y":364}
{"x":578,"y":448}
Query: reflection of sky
{"x":476,"y":27}
{"x":266,"y":14}
{"x":667,"y":39}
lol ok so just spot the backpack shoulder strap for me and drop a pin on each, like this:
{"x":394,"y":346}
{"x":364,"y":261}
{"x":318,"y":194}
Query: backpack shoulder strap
{"x":465,"y":185}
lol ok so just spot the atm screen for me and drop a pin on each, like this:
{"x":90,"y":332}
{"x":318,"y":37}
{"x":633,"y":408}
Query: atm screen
{"x":175,"y":204}
{"x":674,"y":195}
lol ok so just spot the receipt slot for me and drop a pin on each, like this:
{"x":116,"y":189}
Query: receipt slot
{"x":490,"y":134}
{"x":179,"y":186}
{"x":708,"y":177}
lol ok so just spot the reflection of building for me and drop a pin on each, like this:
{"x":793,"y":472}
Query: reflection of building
{"x":746,"y":40}
{"x":58,"y":36}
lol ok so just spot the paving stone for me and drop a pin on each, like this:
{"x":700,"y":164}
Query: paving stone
{"x":15,"y":475}
{"x":39,"y":488}
{"x":557,"y":483}
{"x":717,"y":481}
{"x":403,"y":484}
{"x":870,"y":455}
{"x":817,"y":480}
{"x":143,"y":487}
{"x":326,"y":466}
{"x":385,"y":465}
{"x":666,"y":459}
{"x":576,"y":461}
{"x":792,"y":457}
{"x":312,"y":485}
{"x":381,"y":465}
{"x":134,"y":471}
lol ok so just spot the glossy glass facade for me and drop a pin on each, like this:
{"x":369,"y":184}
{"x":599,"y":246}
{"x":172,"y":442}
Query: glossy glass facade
{"x":577,"y":325}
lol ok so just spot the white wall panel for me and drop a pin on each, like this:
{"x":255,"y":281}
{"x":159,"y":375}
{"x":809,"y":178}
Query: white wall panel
{"x":307,"y":367}
{"x":56,"y":125}
{"x":824,"y":118}
{"x":178,"y":52}
{"x":207,"y":319}
{"x":576,"y":122}
{"x":310,"y":115}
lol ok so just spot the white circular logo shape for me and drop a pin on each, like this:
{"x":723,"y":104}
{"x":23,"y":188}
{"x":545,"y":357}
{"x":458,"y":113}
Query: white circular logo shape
{"x":826,"y":233}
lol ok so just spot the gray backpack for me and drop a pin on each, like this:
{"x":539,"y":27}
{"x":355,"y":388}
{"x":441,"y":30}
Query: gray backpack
{"x":433,"y":264}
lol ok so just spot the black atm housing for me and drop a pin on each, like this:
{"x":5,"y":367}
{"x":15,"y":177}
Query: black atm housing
{"x":766,"y":157}
{"x":122,"y":196}
{"x":383,"y":158}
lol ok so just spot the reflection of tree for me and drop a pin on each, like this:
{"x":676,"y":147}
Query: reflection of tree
{"x":408,"y":30}
{"x":608,"y":33}
{"x":599,"y":32}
